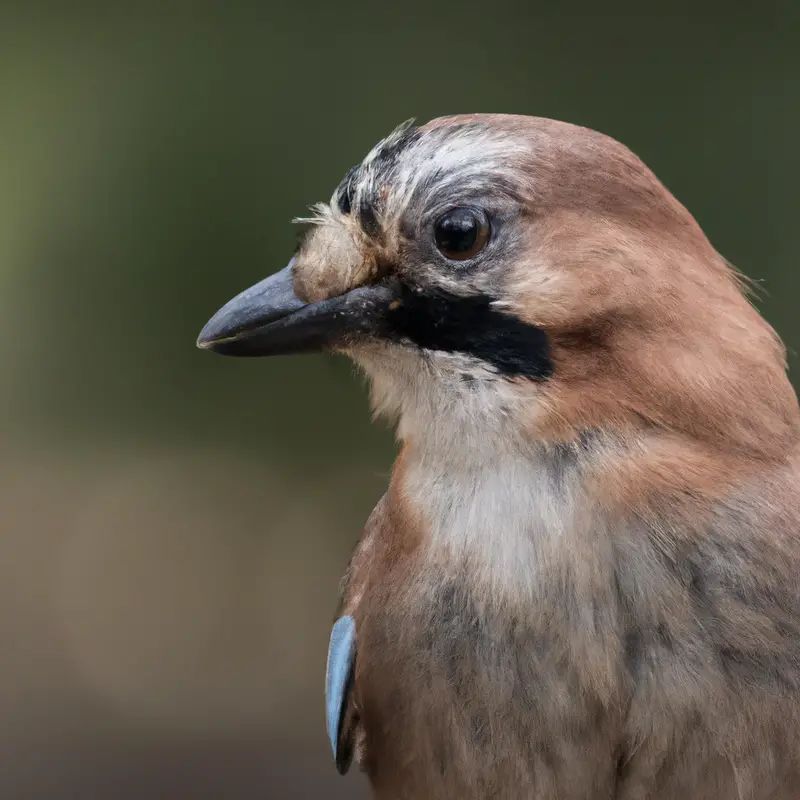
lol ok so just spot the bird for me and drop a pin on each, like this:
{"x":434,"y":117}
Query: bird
{"x":582,"y":581}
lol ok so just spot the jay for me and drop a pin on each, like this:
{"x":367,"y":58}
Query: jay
{"x":583,"y":580}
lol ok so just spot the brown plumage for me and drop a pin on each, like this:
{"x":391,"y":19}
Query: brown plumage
{"x":582,"y":581}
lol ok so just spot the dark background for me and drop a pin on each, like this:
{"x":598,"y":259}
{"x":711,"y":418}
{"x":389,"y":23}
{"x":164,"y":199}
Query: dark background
{"x":173,"y":525}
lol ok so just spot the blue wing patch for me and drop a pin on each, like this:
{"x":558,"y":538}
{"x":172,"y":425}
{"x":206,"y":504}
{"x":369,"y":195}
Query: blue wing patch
{"x":338,"y":685}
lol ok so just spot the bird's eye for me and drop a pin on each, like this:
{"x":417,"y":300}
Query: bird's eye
{"x":461,"y":233}
{"x":344,"y":194}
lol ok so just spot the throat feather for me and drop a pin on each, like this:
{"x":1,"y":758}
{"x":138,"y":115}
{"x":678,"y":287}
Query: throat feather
{"x":506,"y":517}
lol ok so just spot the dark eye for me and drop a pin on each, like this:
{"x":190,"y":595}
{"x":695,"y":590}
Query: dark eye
{"x":344,"y":194}
{"x":461,"y":233}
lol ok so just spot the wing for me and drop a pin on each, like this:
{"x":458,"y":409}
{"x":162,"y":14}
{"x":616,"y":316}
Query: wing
{"x":339,"y":707}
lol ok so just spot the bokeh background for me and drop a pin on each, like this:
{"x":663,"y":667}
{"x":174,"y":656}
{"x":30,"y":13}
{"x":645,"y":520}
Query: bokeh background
{"x":173,"y":525}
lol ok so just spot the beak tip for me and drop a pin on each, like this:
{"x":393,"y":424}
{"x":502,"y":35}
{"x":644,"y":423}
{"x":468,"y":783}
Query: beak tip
{"x":206,"y":340}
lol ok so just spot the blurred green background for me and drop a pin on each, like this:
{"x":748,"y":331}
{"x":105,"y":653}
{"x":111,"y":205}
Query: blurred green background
{"x":173,"y":525}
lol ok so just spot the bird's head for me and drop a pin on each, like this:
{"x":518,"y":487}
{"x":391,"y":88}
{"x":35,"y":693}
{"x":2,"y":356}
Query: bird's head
{"x":492,"y":271}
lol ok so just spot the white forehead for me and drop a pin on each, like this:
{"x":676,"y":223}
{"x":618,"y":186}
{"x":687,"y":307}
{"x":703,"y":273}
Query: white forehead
{"x":461,"y":157}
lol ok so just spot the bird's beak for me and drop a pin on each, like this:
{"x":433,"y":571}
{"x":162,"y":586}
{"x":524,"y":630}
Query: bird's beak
{"x":269,"y":319}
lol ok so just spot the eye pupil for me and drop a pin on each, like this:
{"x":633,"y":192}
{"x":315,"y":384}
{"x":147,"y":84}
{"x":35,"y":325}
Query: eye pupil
{"x":461,"y":234}
{"x":457,"y":232}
